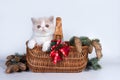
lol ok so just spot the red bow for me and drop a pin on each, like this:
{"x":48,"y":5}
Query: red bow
{"x":58,"y":50}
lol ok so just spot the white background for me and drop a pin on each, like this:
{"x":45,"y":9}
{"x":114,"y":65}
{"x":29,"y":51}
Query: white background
{"x":92,"y":18}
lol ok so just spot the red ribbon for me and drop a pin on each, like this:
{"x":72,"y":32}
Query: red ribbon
{"x":58,"y":50}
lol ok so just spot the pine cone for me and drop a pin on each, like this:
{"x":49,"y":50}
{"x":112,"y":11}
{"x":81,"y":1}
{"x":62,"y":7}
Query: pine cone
{"x":16,"y":63}
{"x":12,"y":68}
{"x":98,"y":48}
{"x":8,"y":63}
{"x":78,"y":44}
{"x":23,"y":59}
{"x":90,"y":49}
{"x":22,"y":66}
{"x":10,"y":57}
{"x":17,"y":59}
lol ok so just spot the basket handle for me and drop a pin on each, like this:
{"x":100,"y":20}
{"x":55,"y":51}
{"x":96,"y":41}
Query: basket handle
{"x":58,"y":34}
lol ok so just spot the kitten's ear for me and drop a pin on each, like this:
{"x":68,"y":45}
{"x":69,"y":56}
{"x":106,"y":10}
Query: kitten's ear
{"x":33,"y":20}
{"x":51,"y":18}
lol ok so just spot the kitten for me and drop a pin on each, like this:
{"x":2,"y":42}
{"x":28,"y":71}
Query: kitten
{"x":43,"y":30}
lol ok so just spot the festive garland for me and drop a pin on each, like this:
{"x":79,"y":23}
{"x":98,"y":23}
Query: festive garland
{"x":85,"y":41}
{"x":93,"y":62}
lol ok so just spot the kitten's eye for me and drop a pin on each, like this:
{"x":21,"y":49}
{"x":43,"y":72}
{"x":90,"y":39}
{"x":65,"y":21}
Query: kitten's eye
{"x":38,"y":26}
{"x":47,"y":25}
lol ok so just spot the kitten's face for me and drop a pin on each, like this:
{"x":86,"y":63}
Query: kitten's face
{"x":44,"y":26}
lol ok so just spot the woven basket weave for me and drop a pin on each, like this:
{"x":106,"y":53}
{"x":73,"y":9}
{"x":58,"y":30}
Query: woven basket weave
{"x":39,"y":61}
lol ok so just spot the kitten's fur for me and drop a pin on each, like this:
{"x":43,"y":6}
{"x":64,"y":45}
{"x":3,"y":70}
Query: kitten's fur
{"x":43,"y":29}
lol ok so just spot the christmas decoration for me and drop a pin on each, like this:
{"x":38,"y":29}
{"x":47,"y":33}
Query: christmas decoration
{"x":58,"y":50}
{"x":16,"y":63}
{"x":78,"y":44}
{"x":98,"y":48}
{"x":71,"y":41}
{"x":91,"y":43}
{"x":93,"y":64}
{"x":85,"y":41}
{"x":90,"y":49}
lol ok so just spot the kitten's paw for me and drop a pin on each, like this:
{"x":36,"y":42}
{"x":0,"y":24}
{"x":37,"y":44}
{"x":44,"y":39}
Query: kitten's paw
{"x":31,"y":44}
{"x":46,"y":46}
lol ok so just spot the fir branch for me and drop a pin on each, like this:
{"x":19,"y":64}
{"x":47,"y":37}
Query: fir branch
{"x":93,"y":64}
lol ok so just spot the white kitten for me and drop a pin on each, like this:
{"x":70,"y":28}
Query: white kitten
{"x":43,"y":30}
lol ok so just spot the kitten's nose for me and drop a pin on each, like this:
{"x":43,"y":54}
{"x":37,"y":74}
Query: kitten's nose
{"x":42,"y":28}
{"x":38,"y":26}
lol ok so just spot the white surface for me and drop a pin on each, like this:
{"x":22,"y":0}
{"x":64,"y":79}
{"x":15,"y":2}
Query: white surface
{"x":92,"y":18}
{"x":109,"y":71}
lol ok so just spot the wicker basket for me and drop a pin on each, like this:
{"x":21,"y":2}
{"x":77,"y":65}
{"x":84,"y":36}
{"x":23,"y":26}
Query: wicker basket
{"x":39,"y":61}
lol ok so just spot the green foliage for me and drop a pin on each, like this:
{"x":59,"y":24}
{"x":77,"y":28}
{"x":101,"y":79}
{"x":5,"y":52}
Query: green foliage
{"x":93,"y":64}
{"x":85,"y":41}
{"x":52,"y":44}
{"x":72,"y":41}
